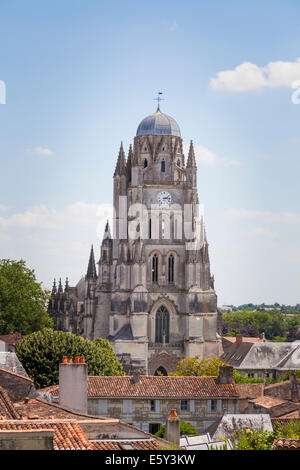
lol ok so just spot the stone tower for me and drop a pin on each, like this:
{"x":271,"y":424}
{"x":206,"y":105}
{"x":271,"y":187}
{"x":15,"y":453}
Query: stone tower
{"x":153,"y":296}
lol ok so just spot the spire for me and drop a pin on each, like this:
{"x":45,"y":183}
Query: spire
{"x":107,"y":233}
{"x":121,"y":163}
{"x":129,"y":163}
{"x":60,"y":287}
{"x":67,"y":285}
{"x":54,"y":289}
{"x":91,"y":271}
{"x":191,"y":161}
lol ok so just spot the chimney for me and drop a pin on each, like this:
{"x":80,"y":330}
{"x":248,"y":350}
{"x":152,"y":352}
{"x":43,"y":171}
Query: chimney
{"x":136,"y":377}
{"x":173,"y":428}
{"x":238,"y":340}
{"x":73,"y":378}
{"x":226,"y":375}
{"x":294,"y":387}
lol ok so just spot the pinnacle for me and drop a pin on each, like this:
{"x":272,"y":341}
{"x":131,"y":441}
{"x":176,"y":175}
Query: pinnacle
{"x":121,"y":162}
{"x":191,"y":162}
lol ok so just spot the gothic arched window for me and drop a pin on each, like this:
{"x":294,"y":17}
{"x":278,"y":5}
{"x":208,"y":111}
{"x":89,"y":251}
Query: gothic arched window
{"x":171,"y":262}
{"x":145,"y":163}
{"x":150,"y":228}
{"x":155,"y":268}
{"x":163,"y":166}
{"x":162,"y":325}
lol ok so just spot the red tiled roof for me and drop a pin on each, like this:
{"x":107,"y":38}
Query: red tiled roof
{"x":36,"y":407}
{"x":68,"y":435}
{"x":117,"y":445}
{"x":12,"y":338}
{"x":156,"y":386}
{"x":287,"y":444}
{"x":7,"y":408}
{"x":250,"y":390}
{"x":247,"y":339}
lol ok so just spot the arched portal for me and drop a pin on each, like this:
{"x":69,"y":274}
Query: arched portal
{"x":162,"y":325}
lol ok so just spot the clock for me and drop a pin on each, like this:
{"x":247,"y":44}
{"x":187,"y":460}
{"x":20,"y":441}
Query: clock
{"x":164,"y":198}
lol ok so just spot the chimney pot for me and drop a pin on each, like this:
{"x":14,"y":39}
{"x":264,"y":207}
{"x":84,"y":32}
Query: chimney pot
{"x":64,"y":360}
{"x":76,"y":360}
{"x":70,"y":360}
{"x":173,"y":428}
{"x":81,"y":360}
{"x":238,"y":340}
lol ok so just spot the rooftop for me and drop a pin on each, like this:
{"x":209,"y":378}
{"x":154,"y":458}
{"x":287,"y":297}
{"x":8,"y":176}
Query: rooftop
{"x":155,"y":387}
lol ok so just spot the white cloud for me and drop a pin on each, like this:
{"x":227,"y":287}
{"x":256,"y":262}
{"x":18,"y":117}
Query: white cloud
{"x":248,"y":76}
{"x":3,"y":207}
{"x":246,"y":214}
{"x":43,"y":151}
{"x":206,"y":157}
{"x":79,"y":215}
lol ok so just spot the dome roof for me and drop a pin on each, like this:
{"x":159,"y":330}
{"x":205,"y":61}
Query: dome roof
{"x":158,"y":124}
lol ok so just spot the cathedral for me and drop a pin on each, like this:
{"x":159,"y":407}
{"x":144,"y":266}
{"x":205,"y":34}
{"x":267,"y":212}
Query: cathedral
{"x":151,"y":294}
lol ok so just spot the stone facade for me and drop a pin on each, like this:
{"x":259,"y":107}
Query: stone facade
{"x":153,"y":294}
{"x":200,"y":413}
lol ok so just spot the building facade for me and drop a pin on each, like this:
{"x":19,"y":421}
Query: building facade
{"x":153,"y":294}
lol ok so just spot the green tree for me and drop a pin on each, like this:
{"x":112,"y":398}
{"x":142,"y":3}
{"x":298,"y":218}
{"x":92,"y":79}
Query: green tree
{"x":41,"y":353}
{"x":186,"y":429}
{"x":192,"y":366}
{"x":22,"y":299}
{"x":263,"y":440}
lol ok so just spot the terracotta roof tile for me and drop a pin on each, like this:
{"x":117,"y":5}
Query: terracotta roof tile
{"x":7,"y":408}
{"x":118,"y":445}
{"x":157,"y":387}
{"x":287,"y":444}
{"x":68,"y":435}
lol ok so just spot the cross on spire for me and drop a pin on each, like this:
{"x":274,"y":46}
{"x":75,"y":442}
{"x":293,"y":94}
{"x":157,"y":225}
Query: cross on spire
{"x":158,"y":99}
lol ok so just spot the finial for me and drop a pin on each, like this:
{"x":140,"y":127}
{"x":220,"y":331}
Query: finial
{"x":158,"y":99}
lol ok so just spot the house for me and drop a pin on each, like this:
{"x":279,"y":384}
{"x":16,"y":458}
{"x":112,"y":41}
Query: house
{"x":263,"y":359}
{"x":36,"y":424}
{"x":145,"y":401}
{"x":280,"y":400}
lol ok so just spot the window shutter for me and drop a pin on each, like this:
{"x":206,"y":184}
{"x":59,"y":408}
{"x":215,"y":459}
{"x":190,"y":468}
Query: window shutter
{"x":102,"y":406}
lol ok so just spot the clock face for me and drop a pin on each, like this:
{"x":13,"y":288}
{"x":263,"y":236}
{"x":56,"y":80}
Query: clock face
{"x":164,"y":198}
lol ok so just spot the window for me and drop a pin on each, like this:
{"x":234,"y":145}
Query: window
{"x":150,"y":227}
{"x":213,"y":405}
{"x":154,"y":428}
{"x":102,"y":406}
{"x":155,"y":406}
{"x":145,"y":163}
{"x":163,"y":166}
{"x":162,"y":325}
{"x":127,"y":406}
{"x":178,"y":162}
{"x":171,"y":269}
{"x":184,"y":405}
{"x":155,"y":268}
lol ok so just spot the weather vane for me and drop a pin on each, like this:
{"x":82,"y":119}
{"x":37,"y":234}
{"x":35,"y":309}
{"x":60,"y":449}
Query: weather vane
{"x":158,"y":99}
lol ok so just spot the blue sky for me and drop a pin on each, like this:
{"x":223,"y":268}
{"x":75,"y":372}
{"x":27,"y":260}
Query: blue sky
{"x":81,"y":75}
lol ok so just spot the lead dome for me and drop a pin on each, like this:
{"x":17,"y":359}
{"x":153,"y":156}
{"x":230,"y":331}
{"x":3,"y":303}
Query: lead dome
{"x":158,"y":124}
